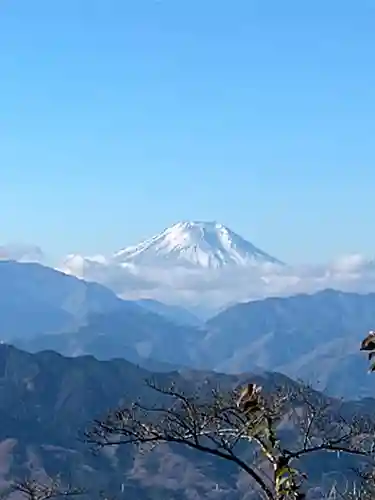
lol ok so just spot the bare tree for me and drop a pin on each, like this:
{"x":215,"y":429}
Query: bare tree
{"x":32,"y":489}
{"x":219,"y":424}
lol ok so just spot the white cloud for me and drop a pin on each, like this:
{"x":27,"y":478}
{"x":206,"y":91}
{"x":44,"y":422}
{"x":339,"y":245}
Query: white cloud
{"x":21,"y":252}
{"x":352,"y":264}
{"x":215,"y":289}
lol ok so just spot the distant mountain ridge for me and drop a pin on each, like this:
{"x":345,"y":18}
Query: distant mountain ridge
{"x":175,"y":314}
{"x":311,"y":337}
{"x":37,"y":301}
{"x":314,"y":337}
{"x":47,"y":401}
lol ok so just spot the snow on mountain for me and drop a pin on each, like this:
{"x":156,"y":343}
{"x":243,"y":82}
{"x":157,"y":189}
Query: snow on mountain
{"x":204,"y":266}
{"x":199,"y":265}
{"x":205,"y":245}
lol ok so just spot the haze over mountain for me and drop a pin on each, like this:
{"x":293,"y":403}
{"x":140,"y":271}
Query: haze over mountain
{"x":21,"y":252}
{"x":175,"y":314}
{"x":315,"y":337}
{"x":38,"y":305}
{"x":35,"y":299}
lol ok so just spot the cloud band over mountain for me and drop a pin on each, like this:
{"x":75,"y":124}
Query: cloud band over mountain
{"x":208,"y":265}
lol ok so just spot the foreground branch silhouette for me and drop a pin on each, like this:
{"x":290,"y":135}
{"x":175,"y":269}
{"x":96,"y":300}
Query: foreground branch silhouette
{"x":223,"y":423}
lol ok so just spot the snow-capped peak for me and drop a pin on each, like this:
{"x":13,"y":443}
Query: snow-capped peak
{"x":195,"y":244}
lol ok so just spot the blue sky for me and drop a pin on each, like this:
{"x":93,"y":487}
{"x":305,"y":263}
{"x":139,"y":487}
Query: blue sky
{"x":120,"y":117}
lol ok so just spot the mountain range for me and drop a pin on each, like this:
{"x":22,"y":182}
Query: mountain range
{"x":45,"y":397}
{"x":47,"y":401}
{"x":35,"y":299}
{"x":314,"y":337}
{"x":44,"y":308}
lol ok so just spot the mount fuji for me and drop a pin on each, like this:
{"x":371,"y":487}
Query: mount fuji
{"x":205,"y":245}
{"x":189,"y":263}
